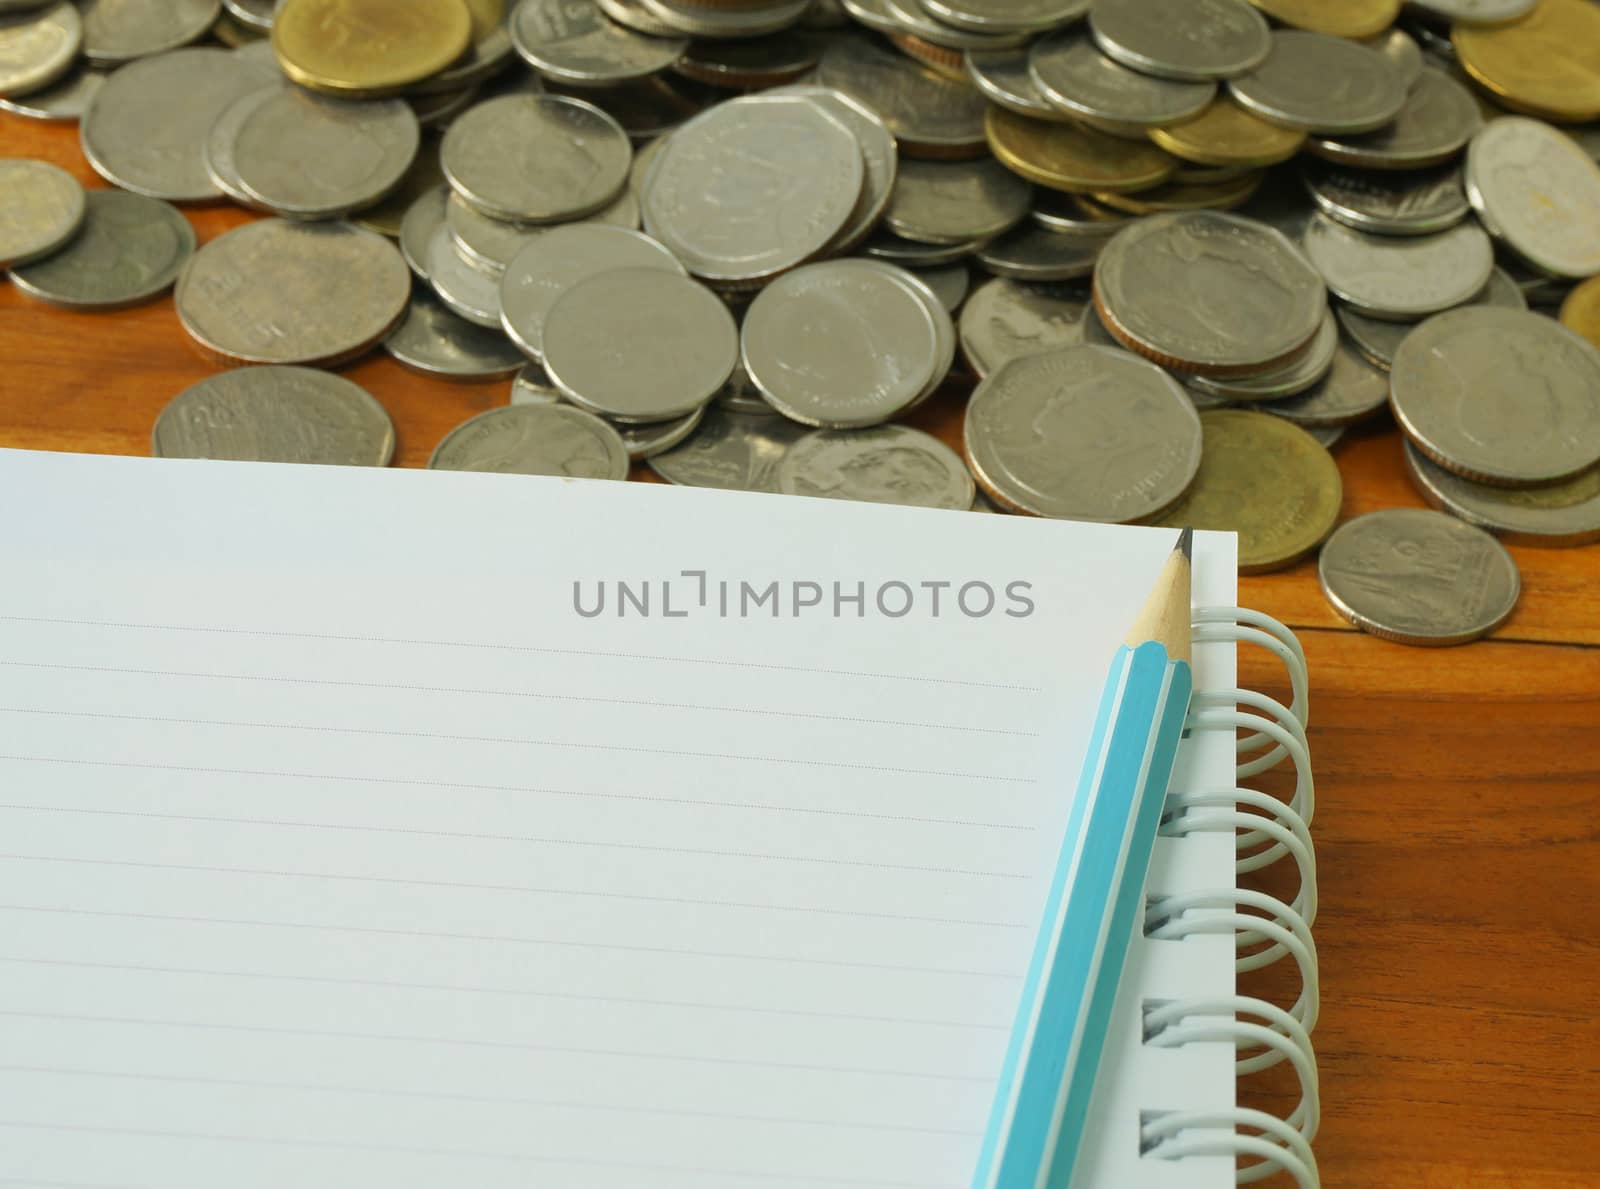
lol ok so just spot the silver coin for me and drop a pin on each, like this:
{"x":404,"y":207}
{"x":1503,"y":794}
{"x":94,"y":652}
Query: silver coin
{"x":949,"y":284}
{"x":1562,"y":515}
{"x":639,"y":344}
{"x":534,"y":439}
{"x":840,"y":344}
{"x":436,"y":342}
{"x":1418,"y":577}
{"x":1538,"y":192}
{"x":41,"y":207}
{"x":37,"y":48}
{"x":492,"y":243}
{"x":1506,"y":397}
{"x":424,"y":217}
{"x":221,"y":166}
{"x":1182,"y":39}
{"x":1422,"y":202}
{"x":1004,"y":78}
{"x":699,"y":21}
{"x":490,"y":53}
{"x":879,"y":158}
{"x":1210,"y":292}
{"x":130,"y":249}
{"x":731,"y":450}
{"x":1007,"y":15}
{"x":929,"y":114}
{"x":1352,"y":390}
{"x":914,"y":19}
{"x":254,"y":14}
{"x":467,"y":290}
{"x":65,"y":99}
{"x":892,"y":249}
{"x":1075,"y":76}
{"x":146,"y":128}
{"x":1378,"y":340}
{"x":579,"y":44}
{"x":276,"y":291}
{"x":1005,"y":320}
{"x":950,"y":202}
{"x":1036,"y":253}
{"x":946,"y":341}
{"x":536,"y":158}
{"x":892,"y":464}
{"x":1403,"y":53}
{"x":753,"y":187}
{"x":1439,"y":118}
{"x":116,"y":31}
{"x":646,"y":440}
{"x":740,"y":395}
{"x":1055,"y":211}
{"x":1400,"y":278}
{"x":1489,"y":12}
{"x":631,"y":14}
{"x":531,"y":386}
{"x":1305,"y":371}
{"x":276,"y":414}
{"x":1083,"y":433}
{"x":1322,"y":84}
{"x":754,"y":61}
{"x":562,"y":257}
{"x":307,"y":156}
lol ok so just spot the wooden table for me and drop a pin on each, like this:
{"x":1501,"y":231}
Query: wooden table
{"x":1458,"y":802}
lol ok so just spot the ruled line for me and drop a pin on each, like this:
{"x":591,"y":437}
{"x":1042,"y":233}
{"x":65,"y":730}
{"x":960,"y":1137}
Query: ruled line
{"x":320,"y":729}
{"x":343,"y":877}
{"x":514,"y":992}
{"x":486,"y":1099}
{"x":522,"y":838}
{"x":460,"y":1153}
{"x":508,"y":1045}
{"x":528,"y":648}
{"x":537,"y":790}
{"x":518,"y":693}
{"x":509,"y":939}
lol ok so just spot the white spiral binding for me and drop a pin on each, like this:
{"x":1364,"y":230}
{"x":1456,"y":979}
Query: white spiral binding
{"x":1264,"y":928}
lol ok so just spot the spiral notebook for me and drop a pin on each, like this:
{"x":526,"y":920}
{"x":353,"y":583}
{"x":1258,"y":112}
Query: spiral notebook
{"x":419,"y":829}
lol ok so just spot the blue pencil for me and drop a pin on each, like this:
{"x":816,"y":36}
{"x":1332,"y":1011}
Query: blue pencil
{"x":1036,"y":1124}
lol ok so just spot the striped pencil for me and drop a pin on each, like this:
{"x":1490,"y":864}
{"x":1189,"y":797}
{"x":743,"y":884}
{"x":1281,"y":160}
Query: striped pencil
{"x":1036,"y":1124}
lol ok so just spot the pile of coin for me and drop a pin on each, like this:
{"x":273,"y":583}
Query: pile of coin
{"x":1173,"y":248}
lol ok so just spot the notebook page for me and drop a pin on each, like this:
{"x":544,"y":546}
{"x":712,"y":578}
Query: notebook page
{"x":338,"y":847}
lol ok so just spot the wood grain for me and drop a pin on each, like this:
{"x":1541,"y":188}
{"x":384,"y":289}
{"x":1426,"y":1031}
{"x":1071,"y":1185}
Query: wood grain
{"x":1458,"y":790}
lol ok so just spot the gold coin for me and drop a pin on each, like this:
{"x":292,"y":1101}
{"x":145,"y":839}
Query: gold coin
{"x":1227,"y":134}
{"x":1073,"y":158}
{"x":1581,"y":311}
{"x":367,"y":48}
{"x":1186,"y":196}
{"x":1546,"y":64}
{"x":1342,"y":18}
{"x":1265,"y":479}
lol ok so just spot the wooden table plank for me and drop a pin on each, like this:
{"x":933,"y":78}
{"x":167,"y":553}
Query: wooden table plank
{"x":1458,"y":789}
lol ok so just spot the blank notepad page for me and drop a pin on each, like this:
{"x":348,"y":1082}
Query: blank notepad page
{"x":342,"y":843}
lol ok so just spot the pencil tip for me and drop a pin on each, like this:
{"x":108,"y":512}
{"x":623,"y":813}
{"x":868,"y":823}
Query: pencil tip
{"x":1185,"y":544}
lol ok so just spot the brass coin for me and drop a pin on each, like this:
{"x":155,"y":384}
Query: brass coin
{"x":1547,"y":64}
{"x":367,"y":48}
{"x":1073,"y":158}
{"x":1226,"y":134}
{"x":948,"y":62}
{"x":1581,"y":310}
{"x":1266,"y":479}
{"x":1186,"y":196}
{"x":1341,"y":18}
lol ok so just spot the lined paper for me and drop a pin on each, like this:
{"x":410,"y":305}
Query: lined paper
{"x":337,"y":848}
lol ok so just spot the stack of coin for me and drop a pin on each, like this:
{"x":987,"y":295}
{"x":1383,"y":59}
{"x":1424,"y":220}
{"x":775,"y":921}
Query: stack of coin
{"x":1180,"y":244}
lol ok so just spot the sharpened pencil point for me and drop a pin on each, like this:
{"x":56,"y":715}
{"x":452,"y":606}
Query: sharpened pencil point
{"x":1185,"y":544}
